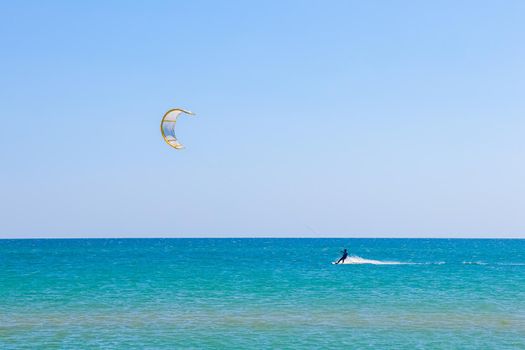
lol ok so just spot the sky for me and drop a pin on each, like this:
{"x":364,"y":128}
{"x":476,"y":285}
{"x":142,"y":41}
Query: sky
{"x":314,"y":118}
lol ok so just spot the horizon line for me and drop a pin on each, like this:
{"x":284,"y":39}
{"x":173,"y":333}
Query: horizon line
{"x":256,"y":237}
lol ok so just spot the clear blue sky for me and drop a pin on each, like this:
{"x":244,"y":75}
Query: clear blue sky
{"x":325,"y":118}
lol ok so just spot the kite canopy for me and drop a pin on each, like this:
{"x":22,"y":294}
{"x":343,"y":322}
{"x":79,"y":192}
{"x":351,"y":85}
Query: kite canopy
{"x":167,"y":126}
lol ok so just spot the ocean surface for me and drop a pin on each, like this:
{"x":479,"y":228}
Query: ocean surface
{"x":262,"y":294}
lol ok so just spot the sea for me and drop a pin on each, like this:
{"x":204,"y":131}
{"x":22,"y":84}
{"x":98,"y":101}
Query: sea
{"x":262,"y":294}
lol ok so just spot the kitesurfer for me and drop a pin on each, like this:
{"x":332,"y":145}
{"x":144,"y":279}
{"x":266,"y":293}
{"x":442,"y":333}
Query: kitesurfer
{"x":343,"y":258}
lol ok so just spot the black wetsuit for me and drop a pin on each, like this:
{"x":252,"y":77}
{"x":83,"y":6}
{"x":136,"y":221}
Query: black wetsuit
{"x":343,"y":258}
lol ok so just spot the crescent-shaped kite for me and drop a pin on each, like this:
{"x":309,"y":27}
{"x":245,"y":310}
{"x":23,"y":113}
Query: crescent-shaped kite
{"x":167,"y":126}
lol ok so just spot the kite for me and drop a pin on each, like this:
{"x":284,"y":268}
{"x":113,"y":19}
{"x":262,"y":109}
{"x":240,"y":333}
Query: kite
{"x":167,"y":126}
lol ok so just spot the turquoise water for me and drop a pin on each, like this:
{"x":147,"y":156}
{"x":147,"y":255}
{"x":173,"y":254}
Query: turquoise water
{"x":261,"y":294}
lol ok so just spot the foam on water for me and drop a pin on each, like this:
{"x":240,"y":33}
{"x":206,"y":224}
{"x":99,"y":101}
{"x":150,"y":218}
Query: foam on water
{"x":357,"y":260}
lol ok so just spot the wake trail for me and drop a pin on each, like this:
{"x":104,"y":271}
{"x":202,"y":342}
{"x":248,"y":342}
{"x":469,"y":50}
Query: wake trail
{"x":357,"y":260}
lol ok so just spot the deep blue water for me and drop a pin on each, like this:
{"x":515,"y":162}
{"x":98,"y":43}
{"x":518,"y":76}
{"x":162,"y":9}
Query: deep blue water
{"x":262,"y":293}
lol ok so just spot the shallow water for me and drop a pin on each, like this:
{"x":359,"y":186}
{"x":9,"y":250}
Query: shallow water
{"x":262,"y":293}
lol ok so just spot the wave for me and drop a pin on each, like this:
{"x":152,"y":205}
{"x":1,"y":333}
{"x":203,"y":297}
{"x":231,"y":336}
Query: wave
{"x":486,"y":263}
{"x":511,"y":264}
{"x":474,"y":263}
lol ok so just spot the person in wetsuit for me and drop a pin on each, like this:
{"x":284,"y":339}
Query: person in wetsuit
{"x":345,"y":255}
